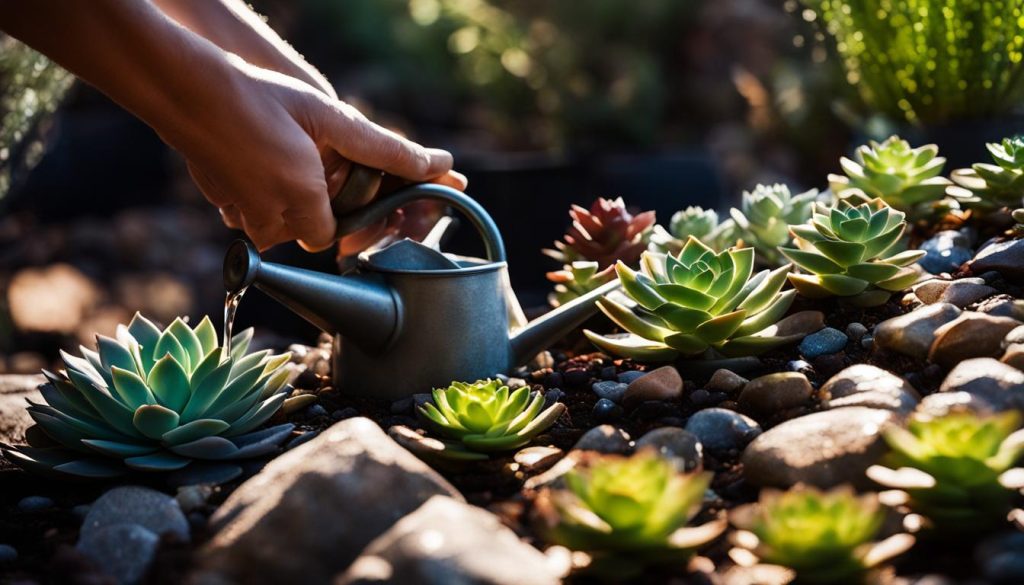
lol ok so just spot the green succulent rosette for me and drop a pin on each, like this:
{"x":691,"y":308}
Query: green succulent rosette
{"x":822,"y":536}
{"x":695,"y":221}
{"x":908,"y":179}
{"x":626,"y":512}
{"x":765,"y":215}
{"x":695,"y":301}
{"x":577,"y":279}
{"x":959,"y":470}
{"x":485,"y":416}
{"x":844,"y":251}
{"x":152,"y":400}
{"x":987,"y":187}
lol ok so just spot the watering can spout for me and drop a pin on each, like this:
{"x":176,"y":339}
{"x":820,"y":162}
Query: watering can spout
{"x":540,"y":333}
{"x":361,"y":308}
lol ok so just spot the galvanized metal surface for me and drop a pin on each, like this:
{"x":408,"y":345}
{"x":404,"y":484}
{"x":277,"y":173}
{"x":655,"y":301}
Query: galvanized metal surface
{"x":399,"y":331}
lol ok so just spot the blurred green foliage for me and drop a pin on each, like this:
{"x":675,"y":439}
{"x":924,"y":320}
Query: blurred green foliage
{"x":31,"y":86}
{"x":929,"y":61}
{"x":540,"y":71}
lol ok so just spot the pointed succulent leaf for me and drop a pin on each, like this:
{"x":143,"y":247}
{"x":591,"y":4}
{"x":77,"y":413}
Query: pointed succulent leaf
{"x":132,"y":391}
{"x":206,"y":333}
{"x":169,"y":383}
{"x":153,"y":420}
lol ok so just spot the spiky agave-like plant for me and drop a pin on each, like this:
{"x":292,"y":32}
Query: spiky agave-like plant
{"x":697,"y":300}
{"x":626,"y":512}
{"x":765,"y":215}
{"x":822,"y":536}
{"x":843,"y":250}
{"x":153,"y":400}
{"x":958,"y":470}
{"x":577,"y":279}
{"x":605,"y":233}
{"x":485,"y":417}
{"x":695,"y":221}
{"x":988,"y":187}
{"x":906,"y":178}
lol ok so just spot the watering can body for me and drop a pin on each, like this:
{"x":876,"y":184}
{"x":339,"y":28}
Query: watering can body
{"x":405,"y":321}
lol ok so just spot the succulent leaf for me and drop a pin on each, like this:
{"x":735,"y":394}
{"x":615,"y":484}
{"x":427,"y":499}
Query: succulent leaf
{"x":765,"y":215}
{"x":626,"y":512}
{"x":698,"y":222}
{"x":692,"y":301}
{"x":986,"y":187}
{"x":844,"y":264}
{"x":903,"y":177}
{"x":486,"y":416}
{"x":577,"y":279}
{"x":950,"y":467}
{"x":823,"y":536}
{"x":155,"y":400}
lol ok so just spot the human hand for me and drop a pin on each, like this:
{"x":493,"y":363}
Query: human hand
{"x":272,"y":150}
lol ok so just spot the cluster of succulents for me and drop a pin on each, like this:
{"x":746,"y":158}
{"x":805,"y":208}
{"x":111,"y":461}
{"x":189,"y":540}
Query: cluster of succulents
{"x":603,"y":235}
{"x":987,"y":187}
{"x":695,"y":221}
{"x":905,"y":178}
{"x":153,"y":400}
{"x":626,"y":512}
{"x":959,"y":471}
{"x":694,"y":301}
{"x":844,"y":252}
{"x":485,"y":416}
{"x":765,"y":215}
{"x":822,"y":536}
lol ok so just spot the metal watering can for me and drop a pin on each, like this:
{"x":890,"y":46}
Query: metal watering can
{"x":409,"y":318}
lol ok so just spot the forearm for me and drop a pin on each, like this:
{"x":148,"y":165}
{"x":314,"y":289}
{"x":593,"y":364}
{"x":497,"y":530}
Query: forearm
{"x":234,"y":27}
{"x":129,"y":50}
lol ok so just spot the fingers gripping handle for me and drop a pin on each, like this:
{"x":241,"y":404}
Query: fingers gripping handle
{"x":363,"y":179}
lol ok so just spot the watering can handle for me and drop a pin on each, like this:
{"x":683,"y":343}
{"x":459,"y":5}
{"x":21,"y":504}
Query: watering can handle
{"x":364,"y":180}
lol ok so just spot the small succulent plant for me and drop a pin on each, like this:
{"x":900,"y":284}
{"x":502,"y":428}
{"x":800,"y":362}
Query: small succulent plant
{"x":987,"y":187}
{"x":626,"y":512}
{"x":577,"y":279}
{"x":605,"y":233}
{"x":765,"y":215}
{"x":906,"y":178}
{"x":485,"y":417}
{"x":153,"y":400}
{"x":843,"y":250}
{"x":822,"y":536}
{"x":694,"y":301}
{"x":693,"y":221}
{"x":958,"y":470}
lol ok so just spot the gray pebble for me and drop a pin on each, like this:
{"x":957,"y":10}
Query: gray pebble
{"x":34,"y":504}
{"x":722,"y":431}
{"x":606,"y":411}
{"x":611,"y":390}
{"x":856,"y":331}
{"x":825,"y":342}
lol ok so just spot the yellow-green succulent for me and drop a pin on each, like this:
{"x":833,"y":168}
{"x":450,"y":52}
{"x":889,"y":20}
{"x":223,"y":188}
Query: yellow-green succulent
{"x":485,"y":416}
{"x":846,"y":251}
{"x":987,"y":187}
{"x":695,"y":301}
{"x":959,"y":470}
{"x":822,"y":536}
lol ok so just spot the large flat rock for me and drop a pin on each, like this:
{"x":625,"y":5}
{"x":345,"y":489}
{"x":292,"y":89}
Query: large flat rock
{"x":310,"y":512}
{"x":14,"y":419}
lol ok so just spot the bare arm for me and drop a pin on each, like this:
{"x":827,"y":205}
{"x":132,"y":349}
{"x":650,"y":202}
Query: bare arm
{"x":234,"y":27}
{"x":264,"y":147}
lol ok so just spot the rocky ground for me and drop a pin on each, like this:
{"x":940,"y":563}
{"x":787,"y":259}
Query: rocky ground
{"x":346,"y":503}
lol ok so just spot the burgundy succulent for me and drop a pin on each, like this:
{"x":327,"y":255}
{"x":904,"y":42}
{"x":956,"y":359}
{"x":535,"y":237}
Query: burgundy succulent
{"x":605,"y":233}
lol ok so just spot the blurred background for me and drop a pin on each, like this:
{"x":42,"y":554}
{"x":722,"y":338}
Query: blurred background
{"x":666,"y":103}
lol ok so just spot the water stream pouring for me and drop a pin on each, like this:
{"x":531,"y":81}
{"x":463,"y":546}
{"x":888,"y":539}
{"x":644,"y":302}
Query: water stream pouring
{"x":410,"y":318}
